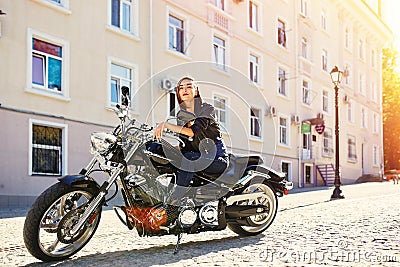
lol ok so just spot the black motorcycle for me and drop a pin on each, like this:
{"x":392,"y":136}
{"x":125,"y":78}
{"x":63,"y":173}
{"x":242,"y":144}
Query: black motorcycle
{"x":66,"y":215}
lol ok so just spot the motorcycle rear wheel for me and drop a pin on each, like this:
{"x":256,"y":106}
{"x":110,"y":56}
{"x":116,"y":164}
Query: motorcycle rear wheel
{"x":254,"y":225}
{"x":60,"y":203}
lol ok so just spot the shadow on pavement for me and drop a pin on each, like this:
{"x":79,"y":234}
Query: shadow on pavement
{"x":158,"y":255}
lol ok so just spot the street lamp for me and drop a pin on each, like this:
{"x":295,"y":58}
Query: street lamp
{"x":336,"y":76}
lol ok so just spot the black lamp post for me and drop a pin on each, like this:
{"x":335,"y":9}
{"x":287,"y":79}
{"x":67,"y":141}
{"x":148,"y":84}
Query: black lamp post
{"x":336,"y":76}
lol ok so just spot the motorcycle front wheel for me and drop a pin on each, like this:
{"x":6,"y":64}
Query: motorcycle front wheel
{"x":254,"y":225}
{"x":47,"y":229}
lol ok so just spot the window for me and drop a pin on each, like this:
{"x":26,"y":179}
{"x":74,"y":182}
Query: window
{"x":283,"y":131}
{"x":346,"y":75}
{"x":304,"y":7}
{"x":220,"y":110}
{"x":124,"y":15}
{"x":219,"y":52}
{"x":47,"y":155}
{"x":374,"y":92}
{"x":253,"y":16}
{"x":255,"y":122}
{"x":281,"y":33}
{"x":120,"y":76}
{"x":254,"y":68}
{"x":362,"y":84}
{"x":173,"y":105}
{"x":347,"y":38}
{"x":363,"y":118}
{"x":46,"y":65}
{"x":286,"y":168}
{"x":176,"y":34}
{"x":323,"y":20}
{"x":324,"y":60}
{"x":376,"y":123}
{"x":373,"y":58}
{"x":306,"y":93}
{"x":220,"y":4}
{"x":361,"y":49}
{"x":375,"y":155}
{"x":304,"y":47}
{"x":350,"y":111}
{"x":282,"y":82}
{"x":327,"y":148}
{"x":325,"y":100}
{"x":351,"y":148}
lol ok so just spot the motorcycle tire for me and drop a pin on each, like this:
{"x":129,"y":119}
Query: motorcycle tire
{"x":59,"y":204}
{"x":254,"y":225}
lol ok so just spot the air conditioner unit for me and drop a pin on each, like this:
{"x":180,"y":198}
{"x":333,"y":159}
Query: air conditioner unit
{"x":272,"y":111}
{"x":295,"y":119}
{"x":168,"y":84}
{"x":346,"y":99}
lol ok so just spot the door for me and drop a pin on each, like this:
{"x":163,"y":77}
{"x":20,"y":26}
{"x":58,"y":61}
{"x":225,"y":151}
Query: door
{"x":308,"y":174}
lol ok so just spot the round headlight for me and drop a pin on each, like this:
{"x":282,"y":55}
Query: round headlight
{"x":101,"y":142}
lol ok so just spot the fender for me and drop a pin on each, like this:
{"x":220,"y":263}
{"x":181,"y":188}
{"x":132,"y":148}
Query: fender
{"x":79,"y":180}
{"x":274,"y":175}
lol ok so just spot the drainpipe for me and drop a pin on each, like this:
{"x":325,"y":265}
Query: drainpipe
{"x":151,"y":61}
{"x":296,"y":30}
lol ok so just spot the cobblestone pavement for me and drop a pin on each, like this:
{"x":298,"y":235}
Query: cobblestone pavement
{"x":361,"y":230}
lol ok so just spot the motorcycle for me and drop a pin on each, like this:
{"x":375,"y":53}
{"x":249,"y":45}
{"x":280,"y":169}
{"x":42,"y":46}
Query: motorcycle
{"x":65,"y":216}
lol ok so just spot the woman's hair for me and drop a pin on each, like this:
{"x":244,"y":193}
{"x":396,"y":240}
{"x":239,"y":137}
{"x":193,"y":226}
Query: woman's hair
{"x":194,"y":85}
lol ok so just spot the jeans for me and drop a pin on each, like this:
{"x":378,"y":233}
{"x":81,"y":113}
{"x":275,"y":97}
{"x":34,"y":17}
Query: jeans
{"x":194,"y":163}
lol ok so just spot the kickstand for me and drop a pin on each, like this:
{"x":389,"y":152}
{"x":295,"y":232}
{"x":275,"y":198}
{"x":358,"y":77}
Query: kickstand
{"x":177,"y":243}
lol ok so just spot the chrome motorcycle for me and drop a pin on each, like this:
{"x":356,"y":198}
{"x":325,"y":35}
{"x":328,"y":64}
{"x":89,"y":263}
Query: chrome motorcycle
{"x":65,"y":216}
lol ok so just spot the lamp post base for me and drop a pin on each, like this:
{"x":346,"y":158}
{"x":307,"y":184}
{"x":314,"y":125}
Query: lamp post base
{"x":337,"y":193}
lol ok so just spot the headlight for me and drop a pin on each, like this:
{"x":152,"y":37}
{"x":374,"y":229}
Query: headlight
{"x":101,"y":142}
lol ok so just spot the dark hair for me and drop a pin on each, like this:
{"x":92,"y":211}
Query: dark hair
{"x":194,"y":85}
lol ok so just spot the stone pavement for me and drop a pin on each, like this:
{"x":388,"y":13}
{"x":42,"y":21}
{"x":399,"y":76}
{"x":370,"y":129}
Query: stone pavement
{"x":361,"y":230}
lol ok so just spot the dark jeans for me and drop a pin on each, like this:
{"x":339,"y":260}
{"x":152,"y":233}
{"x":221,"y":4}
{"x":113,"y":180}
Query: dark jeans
{"x":195,"y":163}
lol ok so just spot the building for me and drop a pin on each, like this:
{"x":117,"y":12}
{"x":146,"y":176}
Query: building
{"x":265,"y":66}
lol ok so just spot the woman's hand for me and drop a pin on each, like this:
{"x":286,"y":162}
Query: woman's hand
{"x":159,"y":131}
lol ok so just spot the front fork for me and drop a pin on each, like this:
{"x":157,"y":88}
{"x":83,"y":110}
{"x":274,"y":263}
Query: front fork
{"x":103,"y":190}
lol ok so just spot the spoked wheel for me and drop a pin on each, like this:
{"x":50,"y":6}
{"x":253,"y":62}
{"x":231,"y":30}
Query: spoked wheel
{"x":254,"y":225}
{"x":48,"y":225}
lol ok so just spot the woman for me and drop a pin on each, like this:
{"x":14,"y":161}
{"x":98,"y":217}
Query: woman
{"x":206,"y":152}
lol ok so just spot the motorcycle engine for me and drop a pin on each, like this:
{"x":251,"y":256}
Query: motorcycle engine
{"x":209,"y":214}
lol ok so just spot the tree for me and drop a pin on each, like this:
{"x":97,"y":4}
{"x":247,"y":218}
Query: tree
{"x":391,"y":108}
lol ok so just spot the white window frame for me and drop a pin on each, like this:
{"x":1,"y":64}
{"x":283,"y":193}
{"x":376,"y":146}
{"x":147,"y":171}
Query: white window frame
{"x":374,"y":91}
{"x":361,"y":49}
{"x":325,"y":100}
{"x":373,"y":58}
{"x":323,"y":20}
{"x":224,"y":125}
{"x":350,"y":116}
{"x":375,"y":155}
{"x":134,"y":82}
{"x":289,"y":174}
{"x":40,"y":90}
{"x":304,"y":8}
{"x":347,"y":77}
{"x":362,"y":84}
{"x":62,"y":7}
{"x":258,"y":16}
{"x":376,"y":123}
{"x":327,"y":143}
{"x":351,"y":147}
{"x":306,"y":99}
{"x":221,"y":4}
{"x":226,"y":50}
{"x":305,"y":48}
{"x":284,"y":82}
{"x":186,"y":33}
{"x":364,"y":118}
{"x":253,"y":119}
{"x":279,"y":30}
{"x":134,"y":20}
{"x":64,"y":155}
{"x":348,"y":38}
{"x":169,"y":104}
{"x":324,"y":60}
{"x":257,"y":66}
{"x":284,"y":129}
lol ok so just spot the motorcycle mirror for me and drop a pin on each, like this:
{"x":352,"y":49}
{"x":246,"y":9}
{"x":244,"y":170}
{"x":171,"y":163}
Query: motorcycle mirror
{"x":125,"y":96}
